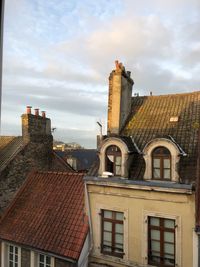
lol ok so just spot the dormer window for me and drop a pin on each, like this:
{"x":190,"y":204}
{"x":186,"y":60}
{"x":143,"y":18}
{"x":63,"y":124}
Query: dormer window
{"x":161,"y":164}
{"x":113,"y":160}
{"x":161,"y":157}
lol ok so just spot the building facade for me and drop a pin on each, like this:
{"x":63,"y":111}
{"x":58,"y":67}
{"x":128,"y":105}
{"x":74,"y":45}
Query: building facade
{"x":141,"y":193}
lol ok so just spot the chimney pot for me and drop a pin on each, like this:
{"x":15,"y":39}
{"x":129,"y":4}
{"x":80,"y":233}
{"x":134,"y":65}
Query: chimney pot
{"x":36,"y":111}
{"x":28,"y":110}
{"x":43,"y":114}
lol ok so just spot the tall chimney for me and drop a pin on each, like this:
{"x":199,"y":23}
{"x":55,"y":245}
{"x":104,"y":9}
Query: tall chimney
{"x":119,"y":99}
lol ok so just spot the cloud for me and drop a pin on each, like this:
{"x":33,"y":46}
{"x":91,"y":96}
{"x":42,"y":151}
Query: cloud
{"x":58,"y":55}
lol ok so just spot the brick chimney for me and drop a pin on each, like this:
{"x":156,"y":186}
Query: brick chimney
{"x":35,"y":128}
{"x":119,"y":99}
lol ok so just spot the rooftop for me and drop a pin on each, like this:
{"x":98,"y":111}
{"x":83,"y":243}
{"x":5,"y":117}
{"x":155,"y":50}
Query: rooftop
{"x":48,"y":214}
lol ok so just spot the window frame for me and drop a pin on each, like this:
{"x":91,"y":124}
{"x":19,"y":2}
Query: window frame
{"x":162,"y":230}
{"x":116,"y":153}
{"x":13,"y":261}
{"x":161,"y":158}
{"x":113,"y":222}
{"x":45,"y":264}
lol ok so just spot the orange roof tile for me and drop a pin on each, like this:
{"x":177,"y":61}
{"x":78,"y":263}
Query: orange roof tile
{"x":48,"y":214}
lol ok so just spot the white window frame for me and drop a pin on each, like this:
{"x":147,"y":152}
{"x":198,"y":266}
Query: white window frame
{"x":174,"y":151}
{"x":144,"y":236}
{"x":35,"y":258}
{"x":5,"y":254}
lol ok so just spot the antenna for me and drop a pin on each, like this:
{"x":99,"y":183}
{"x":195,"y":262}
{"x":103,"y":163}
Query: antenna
{"x":100,"y":126}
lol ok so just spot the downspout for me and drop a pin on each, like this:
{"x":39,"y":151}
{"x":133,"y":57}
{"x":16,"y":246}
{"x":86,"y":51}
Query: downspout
{"x":87,"y":202}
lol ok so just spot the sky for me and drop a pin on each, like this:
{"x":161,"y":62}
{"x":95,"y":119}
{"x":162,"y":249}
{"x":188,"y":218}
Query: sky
{"x":58,"y":55}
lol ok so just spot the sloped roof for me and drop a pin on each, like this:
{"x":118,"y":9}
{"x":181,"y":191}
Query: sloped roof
{"x":150,"y":119}
{"x":48,"y":214}
{"x":9,"y":147}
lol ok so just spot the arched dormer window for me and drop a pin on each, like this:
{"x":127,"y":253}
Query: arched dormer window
{"x":161,"y":163}
{"x":113,"y":160}
{"x":161,"y":157}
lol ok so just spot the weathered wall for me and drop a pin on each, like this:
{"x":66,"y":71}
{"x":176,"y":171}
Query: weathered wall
{"x":62,"y":263}
{"x":36,"y":154}
{"x":25,"y":257}
{"x":119,"y":99}
{"x":137,"y":205}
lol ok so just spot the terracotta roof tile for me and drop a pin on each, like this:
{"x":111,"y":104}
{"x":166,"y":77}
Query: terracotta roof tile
{"x":48,"y":214}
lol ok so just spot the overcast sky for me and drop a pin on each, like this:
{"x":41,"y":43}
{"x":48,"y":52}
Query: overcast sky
{"x":58,"y":55}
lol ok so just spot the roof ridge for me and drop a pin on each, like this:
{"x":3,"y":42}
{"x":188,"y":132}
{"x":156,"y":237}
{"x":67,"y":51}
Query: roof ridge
{"x":165,"y":95}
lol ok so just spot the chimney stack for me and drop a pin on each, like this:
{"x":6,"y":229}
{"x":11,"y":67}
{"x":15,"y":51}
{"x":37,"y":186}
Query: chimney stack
{"x":36,"y":111}
{"x":119,"y":99}
{"x":35,"y":128}
{"x":43,"y":114}
{"x":28,"y":110}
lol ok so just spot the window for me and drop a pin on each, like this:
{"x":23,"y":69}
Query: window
{"x":113,"y":160}
{"x":13,"y":256}
{"x":44,"y":261}
{"x":161,"y":162}
{"x":161,"y":242}
{"x":112,"y":233}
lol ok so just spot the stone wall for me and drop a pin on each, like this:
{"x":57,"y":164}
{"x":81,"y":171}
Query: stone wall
{"x":33,"y":156}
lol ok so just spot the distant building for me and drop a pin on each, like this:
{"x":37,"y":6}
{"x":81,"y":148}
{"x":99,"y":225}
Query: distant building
{"x":58,"y":145}
{"x":79,"y":159}
{"x":31,"y":151}
{"x":144,"y":192}
{"x":46,"y":224}
{"x":1,"y":49}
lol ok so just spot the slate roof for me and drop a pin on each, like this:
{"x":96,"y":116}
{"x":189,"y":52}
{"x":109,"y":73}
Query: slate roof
{"x":150,"y":118}
{"x":48,"y":214}
{"x":9,"y":147}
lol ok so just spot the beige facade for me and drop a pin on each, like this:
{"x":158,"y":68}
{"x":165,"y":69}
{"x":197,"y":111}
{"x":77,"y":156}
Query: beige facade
{"x":138,"y":202}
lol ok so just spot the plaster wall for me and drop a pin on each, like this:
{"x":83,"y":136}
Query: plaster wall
{"x":137,"y":205}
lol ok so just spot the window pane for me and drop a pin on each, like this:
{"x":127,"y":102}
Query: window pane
{"x":107,"y":236}
{"x":16,"y":250}
{"x":167,"y":163}
{"x":48,"y":260}
{"x":155,"y":234}
{"x":119,"y":228}
{"x":169,"y":262}
{"x":169,"y":223}
{"x":118,"y":170}
{"x":169,"y":248}
{"x":10,"y":264}
{"x":169,"y":237}
{"x":11,"y":257}
{"x":120,"y":216}
{"x":155,"y":245}
{"x":111,"y":158}
{"x":156,"y":163}
{"x":155,"y":221}
{"x":41,"y":258}
{"x":166,"y":173}
{"x":119,"y":238}
{"x":11,"y":248}
{"x":107,"y":214}
{"x":41,"y":264}
{"x":156,"y":173}
{"x":108,"y":226}
{"x":118,"y":160}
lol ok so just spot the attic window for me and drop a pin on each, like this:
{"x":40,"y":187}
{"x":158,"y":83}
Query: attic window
{"x":113,"y":160}
{"x":173,"y":119}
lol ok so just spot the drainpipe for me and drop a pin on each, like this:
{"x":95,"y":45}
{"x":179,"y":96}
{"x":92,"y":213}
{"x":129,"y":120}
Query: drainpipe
{"x":90,"y":226}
